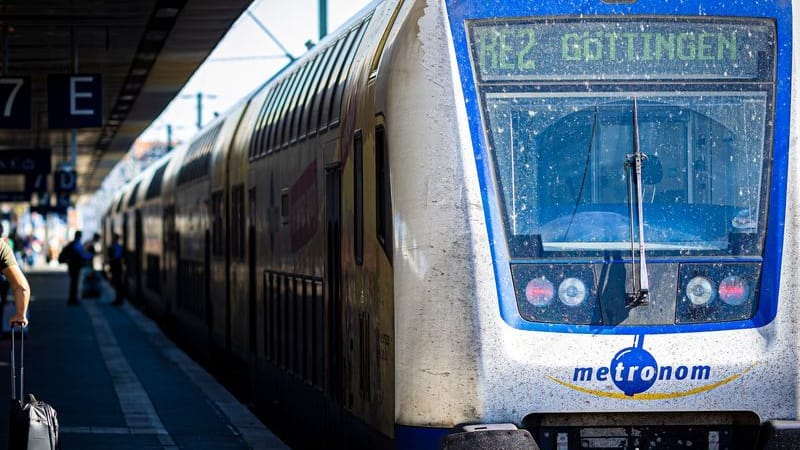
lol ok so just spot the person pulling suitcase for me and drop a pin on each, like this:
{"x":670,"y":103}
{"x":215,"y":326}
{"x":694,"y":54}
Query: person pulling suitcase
{"x":33,"y":423}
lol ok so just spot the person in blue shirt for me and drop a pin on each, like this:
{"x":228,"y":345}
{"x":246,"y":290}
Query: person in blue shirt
{"x":115,"y":259}
{"x":76,"y":260}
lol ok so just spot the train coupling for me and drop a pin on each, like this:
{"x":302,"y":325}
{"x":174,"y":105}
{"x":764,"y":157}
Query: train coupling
{"x":503,"y":436}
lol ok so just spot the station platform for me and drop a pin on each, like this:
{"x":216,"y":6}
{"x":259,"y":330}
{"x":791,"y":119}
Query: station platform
{"x":117,"y":382}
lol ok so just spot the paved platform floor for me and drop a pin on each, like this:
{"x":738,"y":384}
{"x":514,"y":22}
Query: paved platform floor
{"x":118,"y":383}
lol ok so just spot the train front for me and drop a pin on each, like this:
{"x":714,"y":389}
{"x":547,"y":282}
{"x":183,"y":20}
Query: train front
{"x":633,"y":162}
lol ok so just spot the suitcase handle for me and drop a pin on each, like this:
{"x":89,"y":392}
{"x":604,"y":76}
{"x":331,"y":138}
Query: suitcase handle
{"x":21,"y":363}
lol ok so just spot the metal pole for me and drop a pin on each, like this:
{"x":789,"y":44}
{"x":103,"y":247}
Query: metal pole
{"x":323,"y":18}
{"x":169,"y":138}
{"x":271,"y":36}
{"x":199,"y":110}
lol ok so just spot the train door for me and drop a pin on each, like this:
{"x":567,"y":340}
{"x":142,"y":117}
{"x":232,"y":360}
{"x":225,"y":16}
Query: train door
{"x":333,"y":300}
{"x":251,"y":266}
{"x":138,"y":253}
{"x":207,"y":285}
{"x":127,"y":254}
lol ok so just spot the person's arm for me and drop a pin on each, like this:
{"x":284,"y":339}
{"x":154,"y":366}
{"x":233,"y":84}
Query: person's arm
{"x":22,"y":294}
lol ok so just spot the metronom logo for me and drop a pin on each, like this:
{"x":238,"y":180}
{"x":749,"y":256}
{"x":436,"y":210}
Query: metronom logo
{"x":634,"y":371}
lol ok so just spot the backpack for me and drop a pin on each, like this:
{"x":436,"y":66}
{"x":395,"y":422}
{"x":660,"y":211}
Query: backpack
{"x":66,"y":254}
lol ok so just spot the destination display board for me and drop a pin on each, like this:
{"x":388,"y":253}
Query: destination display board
{"x":623,"y":49}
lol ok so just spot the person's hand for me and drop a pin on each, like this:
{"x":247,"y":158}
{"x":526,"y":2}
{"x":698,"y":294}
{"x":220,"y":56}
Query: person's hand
{"x":18,"y":320}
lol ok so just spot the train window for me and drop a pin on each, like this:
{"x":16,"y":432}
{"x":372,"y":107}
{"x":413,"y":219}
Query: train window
{"x":333,"y":78}
{"x":562,"y":157}
{"x":289,"y":137}
{"x":154,"y":188}
{"x":168,"y":228}
{"x":383,"y":204}
{"x":281,"y":139}
{"x":358,"y":195}
{"x":274,"y":116}
{"x":217,"y":229}
{"x":269,"y":117}
{"x":237,"y":222}
{"x":134,"y":194}
{"x":563,"y":168}
{"x":285,"y":206}
{"x":338,"y":87}
{"x":262,"y":102}
{"x":310,"y":128}
{"x":196,"y":161}
{"x":365,"y":353}
{"x":319,"y":96}
{"x":298,"y":126}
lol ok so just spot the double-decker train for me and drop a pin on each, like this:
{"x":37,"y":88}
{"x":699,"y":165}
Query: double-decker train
{"x":565,"y":224}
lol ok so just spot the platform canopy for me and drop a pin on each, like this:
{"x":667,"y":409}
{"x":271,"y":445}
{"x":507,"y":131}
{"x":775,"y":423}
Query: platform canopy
{"x":104,"y":68}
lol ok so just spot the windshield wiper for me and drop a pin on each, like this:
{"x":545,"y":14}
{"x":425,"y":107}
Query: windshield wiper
{"x":633,"y":165}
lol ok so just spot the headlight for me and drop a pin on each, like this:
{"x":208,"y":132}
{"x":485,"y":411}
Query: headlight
{"x":538,"y":285}
{"x":699,"y":291}
{"x":572,"y":292}
{"x":736,"y":285}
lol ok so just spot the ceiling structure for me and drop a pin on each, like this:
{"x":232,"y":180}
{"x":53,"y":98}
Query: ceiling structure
{"x":143,"y":50}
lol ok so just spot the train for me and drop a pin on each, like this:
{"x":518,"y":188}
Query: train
{"x":497,"y":224}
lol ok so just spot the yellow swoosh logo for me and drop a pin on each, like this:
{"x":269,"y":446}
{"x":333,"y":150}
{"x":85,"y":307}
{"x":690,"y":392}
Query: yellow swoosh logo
{"x":652,"y":395}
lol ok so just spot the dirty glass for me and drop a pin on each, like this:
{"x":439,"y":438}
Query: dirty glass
{"x":561,"y":150}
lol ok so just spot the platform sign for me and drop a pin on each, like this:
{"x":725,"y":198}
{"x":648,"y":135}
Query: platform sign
{"x":36,"y":182}
{"x":65,"y":181}
{"x":15,"y":102}
{"x":15,"y":196}
{"x":45,"y":204}
{"x":25,"y":161}
{"x":74,"y":101}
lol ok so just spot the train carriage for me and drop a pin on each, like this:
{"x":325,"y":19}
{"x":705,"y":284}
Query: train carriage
{"x":568,"y":223}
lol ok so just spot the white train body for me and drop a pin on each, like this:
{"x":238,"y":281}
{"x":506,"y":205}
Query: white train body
{"x":453,"y":244}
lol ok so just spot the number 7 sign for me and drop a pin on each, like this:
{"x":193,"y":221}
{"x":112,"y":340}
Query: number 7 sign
{"x":15,"y":102}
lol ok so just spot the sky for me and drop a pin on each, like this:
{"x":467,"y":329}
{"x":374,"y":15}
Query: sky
{"x":243,"y":60}
{"x":246,"y":58}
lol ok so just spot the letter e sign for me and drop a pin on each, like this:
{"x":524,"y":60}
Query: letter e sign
{"x":74,"y":101}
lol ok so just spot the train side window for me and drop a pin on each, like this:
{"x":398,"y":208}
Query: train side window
{"x":333,"y":77}
{"x":319,"y":96}
{"x":237,"y":222}
{"x":274,"y":116}
{"x":285,"y":206}
{"x":383,"y":199}
{"x":309,"y":128}
{"x":338,"y":80}
{"x":257,"y":141}
{"x":216,"y":224}
{"x":168,"y":229}
{"x":281,"y":139}
{"x":134,"y":194}
{"x":358,"y":195}
{"x":289,"y":137}
{"x":299,"y":128}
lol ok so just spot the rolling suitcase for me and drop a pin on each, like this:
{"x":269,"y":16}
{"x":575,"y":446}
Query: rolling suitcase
{"x":91,"y":284}
{"x":33,"y":423}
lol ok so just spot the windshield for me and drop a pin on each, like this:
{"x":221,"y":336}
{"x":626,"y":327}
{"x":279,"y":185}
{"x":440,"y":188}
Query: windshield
{"x":559,"y":150}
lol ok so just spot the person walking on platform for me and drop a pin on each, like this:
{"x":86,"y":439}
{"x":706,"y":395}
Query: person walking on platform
{"x":115,"y":259}
{"x":19,"y":285}
{"x":75,"y":257}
